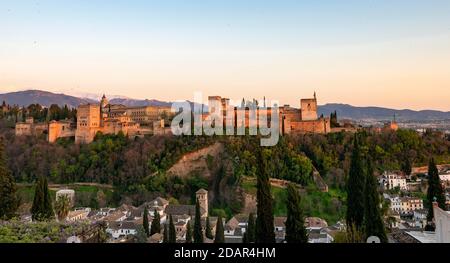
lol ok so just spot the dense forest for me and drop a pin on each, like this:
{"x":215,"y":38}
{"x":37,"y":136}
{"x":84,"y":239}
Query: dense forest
{"x":136,"y":168}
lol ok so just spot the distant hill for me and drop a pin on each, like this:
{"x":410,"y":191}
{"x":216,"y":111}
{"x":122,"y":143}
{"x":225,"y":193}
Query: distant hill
{"x":377,"y":113}
{"x":45,"y":98}
{"x":137,"y":103}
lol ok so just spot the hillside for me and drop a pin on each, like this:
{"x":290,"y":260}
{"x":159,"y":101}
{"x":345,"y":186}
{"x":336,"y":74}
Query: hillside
{"x":378,"y":113}
{"x":45,"y":98}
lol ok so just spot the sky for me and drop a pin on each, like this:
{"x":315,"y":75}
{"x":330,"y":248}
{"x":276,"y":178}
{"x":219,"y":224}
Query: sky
{"x":390,"y":53}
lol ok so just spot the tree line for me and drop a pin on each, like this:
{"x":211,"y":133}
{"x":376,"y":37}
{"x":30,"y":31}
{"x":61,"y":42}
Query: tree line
{"x":38,"y":112}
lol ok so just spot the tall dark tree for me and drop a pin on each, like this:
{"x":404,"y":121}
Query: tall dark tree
{"x":145,"y":222}
{"x":333,"y":120}
{"x":295,"y":224}
{"x":435,"y":189}
{"x":251,"y":229}
{"x":166,"y":234}
{"x":406,"y":165}
{"x":189,"y":232}
{"x":355,"y":189}
{"x":8,"y":189}
{"x":373,"y":220}
{"x":220,"y":236}
{"x":208,"y":232}
{"x":198,"y":232}
{"x":156,"y":224}
{"x":264,"y":221}
{"x":42,"y":209}
{"x":172,"y":232}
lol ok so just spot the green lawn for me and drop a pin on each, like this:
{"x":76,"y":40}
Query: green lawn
{"x":82,"y":193}
{"x":329,"y":206}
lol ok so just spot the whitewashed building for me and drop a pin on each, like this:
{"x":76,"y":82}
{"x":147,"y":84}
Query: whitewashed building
{"x":442,"y":221}
{"x":394,"y":180}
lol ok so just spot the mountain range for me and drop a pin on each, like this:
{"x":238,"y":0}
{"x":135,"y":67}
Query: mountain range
{"x":45,"y":98}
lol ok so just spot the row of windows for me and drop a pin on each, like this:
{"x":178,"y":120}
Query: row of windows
{"x":85,"y":124}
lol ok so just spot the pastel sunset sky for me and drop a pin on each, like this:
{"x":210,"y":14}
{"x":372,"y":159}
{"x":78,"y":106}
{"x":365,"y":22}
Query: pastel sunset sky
{"x":390,"y":53}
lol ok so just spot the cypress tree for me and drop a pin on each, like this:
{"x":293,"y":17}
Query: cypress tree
{"x":172,"y":232}
{"x":435,"y":190}
{"x":156,"y":224}
{"x":189,"y":232}
{"x":406,"y":165}
{"x":220,"y":237}
{"x":355,"y":189}
{"x":145,"y":222}
{"x":208,"y":232}
{"x":198,"y":233}
{"x":42,"y":205}
{"x":8,"y":189}
{"x":245,"y":238}
{"x":373,"y":221}
{"x":264,"y":221}
{"x":295,"y":224}
{"x":251,"y":228}
{"x":166,"y":234}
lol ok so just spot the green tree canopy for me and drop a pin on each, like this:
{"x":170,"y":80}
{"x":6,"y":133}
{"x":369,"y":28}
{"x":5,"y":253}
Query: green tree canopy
{"x":295,"y":224}
{"x":156,"y":223}
{"x":198,"y":232}
{"x":8,"y":190}
{"x":264,"y":221}
{"x":42,"y":209}
{"x":355,"y":188}
{"x":219,"y":237}
{"x":373,"y":220}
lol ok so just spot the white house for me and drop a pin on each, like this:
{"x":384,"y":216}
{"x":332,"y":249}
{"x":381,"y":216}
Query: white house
{"x":394,"y":180}
{"x":396,"y":204}
{"x":121,"y":229}
{"x":420,"y":217}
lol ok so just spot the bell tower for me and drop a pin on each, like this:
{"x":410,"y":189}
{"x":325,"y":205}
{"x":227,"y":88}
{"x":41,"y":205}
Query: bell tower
{"x":202,"y":197}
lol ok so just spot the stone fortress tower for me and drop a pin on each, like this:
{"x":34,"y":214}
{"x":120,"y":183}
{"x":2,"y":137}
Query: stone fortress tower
{"x":309,"y":109}
{"x":103,"y":109}
{"x":88,"y":123}
{"x":202,"y":197}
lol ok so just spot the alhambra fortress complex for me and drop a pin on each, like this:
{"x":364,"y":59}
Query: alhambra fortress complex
{"x":154,"y":120}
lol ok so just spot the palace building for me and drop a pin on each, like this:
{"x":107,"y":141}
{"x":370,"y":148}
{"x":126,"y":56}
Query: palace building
{"x":103,"y":117}
{"x":114,"y":118}
{"x":153,"y":120}
{"x":292,"y":120}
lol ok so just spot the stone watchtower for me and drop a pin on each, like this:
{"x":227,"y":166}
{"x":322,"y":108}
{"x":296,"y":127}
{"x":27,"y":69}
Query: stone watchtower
{"x":309,"y":109}
{"x":202,"y":197}
{"x":103,"y":110}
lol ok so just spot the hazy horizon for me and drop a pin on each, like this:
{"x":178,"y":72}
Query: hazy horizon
{"x":391,"y":54}
{"x":93,"y":96}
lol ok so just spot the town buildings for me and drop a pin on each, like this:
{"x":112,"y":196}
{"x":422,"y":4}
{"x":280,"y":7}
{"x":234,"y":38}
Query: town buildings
{"x":404,"y":204}
{"x":392,"y":181}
